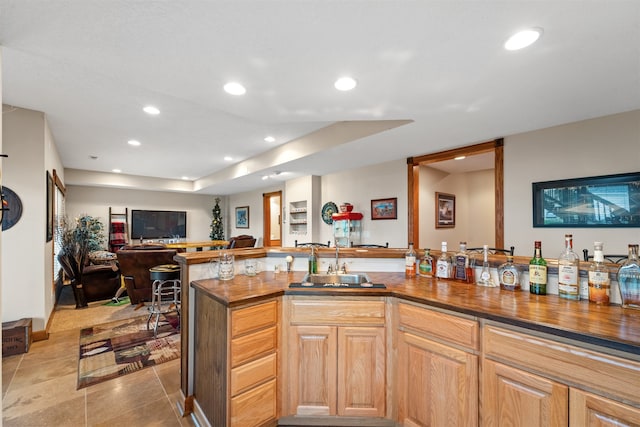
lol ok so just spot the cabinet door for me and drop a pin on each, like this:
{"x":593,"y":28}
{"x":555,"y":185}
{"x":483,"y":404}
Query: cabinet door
{"x":361,"y":371}
{"x":438,"y":385}
{"x":588,"y":410}
{"x":312,"y":366}
{"x":511,"y":397}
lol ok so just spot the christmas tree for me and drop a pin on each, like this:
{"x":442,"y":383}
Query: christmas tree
{"x":217,"y":231}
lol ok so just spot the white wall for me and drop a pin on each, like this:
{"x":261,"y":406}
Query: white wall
{"x":95,"y":201}
{"x":254,"y":200}
{"x":359,"y":187}
{"x":27,"y":259}
{"x":601,"y":146}
{"x":475,"y":203}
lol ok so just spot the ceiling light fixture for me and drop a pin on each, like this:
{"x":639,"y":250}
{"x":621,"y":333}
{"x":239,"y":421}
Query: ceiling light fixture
{"x":133,"y":142}
{"x":265,"y":177}
{"x":234,"y":88}
{"x":151,"y":110}
{"x":345,"y":83}
{"x":228,"y":158}
{"x":116,"y":170}
{"x":523,"y":39}
{"x":186,"y":178}
{"x":460,"y":158}
{"x":270,"y":139}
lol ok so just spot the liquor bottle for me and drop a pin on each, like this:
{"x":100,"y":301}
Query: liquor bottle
{"x":425,"y":268}
{"x":538,"y":271}
{"x":313,"y":261}
{"x":410,"y":262}
{"x":509,"y":276}
{"x":443,"y":265}
{"x":629,"y":279}
{"x":461,"y":263}
{"x":598,"y":277}
{"x":485,"y":276}
{"x":568,"y":265}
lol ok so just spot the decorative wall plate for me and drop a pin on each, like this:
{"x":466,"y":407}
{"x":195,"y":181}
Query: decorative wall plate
{"x":11,"y":202}
{"x":329,"y":209}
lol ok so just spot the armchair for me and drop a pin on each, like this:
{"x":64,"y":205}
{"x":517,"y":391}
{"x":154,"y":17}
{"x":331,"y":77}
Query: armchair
{"x":93,"y":282}
{"x":135,"y":262}
{"x":242,"y":241}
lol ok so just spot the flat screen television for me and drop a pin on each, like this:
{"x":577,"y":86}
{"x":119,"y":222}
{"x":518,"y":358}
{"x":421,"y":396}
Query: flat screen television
{"x":148,"y":224}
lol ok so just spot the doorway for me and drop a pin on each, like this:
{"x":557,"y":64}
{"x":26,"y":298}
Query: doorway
{"x":272,"y":218}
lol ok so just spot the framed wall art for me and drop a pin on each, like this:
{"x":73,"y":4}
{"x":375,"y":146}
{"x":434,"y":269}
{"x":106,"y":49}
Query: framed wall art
{"x":384,"y":208}
{"x":597,"y":201}
{"x":242,"y":217}
{"x":49,"y":208}
{"x":445,"y":210}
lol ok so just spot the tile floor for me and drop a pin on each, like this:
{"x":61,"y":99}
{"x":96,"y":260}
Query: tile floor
{"x":39,"y":387}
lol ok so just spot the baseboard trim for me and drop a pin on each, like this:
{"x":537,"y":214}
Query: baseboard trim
{"x":42,"y":335}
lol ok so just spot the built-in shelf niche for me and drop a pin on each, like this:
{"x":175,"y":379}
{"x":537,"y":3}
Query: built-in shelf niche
{"x":298,"y":217}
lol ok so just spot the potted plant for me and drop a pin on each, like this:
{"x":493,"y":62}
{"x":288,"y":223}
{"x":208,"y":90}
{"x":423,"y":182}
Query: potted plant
{"x":76,"y":242}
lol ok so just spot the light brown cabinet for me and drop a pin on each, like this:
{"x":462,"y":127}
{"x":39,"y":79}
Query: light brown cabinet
{"x":512,"y":397}
{"x":236,"y":362}
{"x":589,"y":410}
{"x":336,"y":358}
{"x":532,"y":380}
{"x":437,"y":378}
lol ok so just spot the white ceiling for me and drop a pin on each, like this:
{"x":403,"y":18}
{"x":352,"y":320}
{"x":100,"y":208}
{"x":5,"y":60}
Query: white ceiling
{"x":433,"y":72}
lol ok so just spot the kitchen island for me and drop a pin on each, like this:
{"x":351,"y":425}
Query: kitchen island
{"x":419,"y":352}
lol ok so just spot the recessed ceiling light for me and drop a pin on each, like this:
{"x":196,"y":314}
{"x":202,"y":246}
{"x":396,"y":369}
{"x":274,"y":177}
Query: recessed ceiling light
{"x":265,"y":177}
{"x":151,"y":110}
{"x":345,"y":83}
{"x":186,"y":178}
{"x":459,"y":158}
{"x":228,"y":158}
{"x":234,"y":88}
{"x":270,"y":139}
{"x":133,"y":142}
{"x":116,"y":170}
{"x":523,"y":39}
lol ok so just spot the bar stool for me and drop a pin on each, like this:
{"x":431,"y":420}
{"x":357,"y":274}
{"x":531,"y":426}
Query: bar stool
{"x":165,"y":293}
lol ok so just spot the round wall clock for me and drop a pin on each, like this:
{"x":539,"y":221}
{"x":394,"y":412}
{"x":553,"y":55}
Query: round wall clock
{"x":12,"y":208}
{"x":329,"y":209}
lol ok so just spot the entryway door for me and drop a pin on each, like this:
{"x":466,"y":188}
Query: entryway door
{"x":272,"y":208}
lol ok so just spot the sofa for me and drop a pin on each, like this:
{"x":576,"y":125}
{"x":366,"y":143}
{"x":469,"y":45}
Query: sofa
{"x":242,"y":241}
{"x":97,"y":282}
{"x":135,"y":262}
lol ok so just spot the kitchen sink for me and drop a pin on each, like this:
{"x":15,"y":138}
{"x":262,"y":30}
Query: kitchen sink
{"x":347,"y":280}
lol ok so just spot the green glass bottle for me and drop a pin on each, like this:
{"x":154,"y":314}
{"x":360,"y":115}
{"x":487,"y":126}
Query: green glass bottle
{"x":313,"y":261}
{"x":538,"y":272}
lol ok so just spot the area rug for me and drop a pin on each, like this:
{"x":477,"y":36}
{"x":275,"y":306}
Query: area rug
{"x":121,"y":301}
{"x":117,"y":348}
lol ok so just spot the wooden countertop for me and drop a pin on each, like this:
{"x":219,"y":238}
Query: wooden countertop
{"x":206,"y":244}
{"x":607,"y":326}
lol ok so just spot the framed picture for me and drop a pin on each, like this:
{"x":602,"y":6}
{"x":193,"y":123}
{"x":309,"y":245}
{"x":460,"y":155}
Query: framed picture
{"x":445,"y":210}
{"x":49,"y":207}
{"x":597,"y":201}
{"x":242,"y":217}
{"x":384,"y":208}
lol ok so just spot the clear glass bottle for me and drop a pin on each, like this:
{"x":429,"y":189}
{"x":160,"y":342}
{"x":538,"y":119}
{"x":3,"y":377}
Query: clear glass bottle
{"x":538,"y":271}
{"x":425,"y":268}
{"x":443,"y":265}
{"x":313,"y":261}
{"x":568,"y":267}
{"x":509,"y":276}
{"x":410,"y":262}
{"x":461,"y":263}
{"x":485,"y":275}
{"x":599,"y":284}
{"x":629,"y":279}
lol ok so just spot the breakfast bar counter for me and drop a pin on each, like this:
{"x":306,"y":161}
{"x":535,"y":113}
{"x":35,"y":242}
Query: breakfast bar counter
{"x":262,"y":353}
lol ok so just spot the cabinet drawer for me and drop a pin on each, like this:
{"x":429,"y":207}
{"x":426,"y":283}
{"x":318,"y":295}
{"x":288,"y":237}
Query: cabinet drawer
{"x":252,"y":373}
{"x":611,"y":374}
{"x":312,"y":312}
{"x":254,"y":407}
{"x":251,"y":346}
{"x":445,"y":326}
{"x":255,"y":317}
